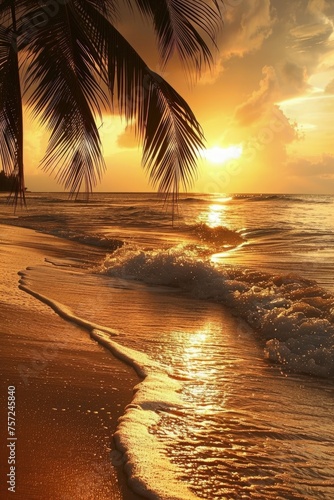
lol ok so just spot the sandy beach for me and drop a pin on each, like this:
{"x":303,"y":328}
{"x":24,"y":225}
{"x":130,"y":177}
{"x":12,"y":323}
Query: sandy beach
{"x":69,"y":391}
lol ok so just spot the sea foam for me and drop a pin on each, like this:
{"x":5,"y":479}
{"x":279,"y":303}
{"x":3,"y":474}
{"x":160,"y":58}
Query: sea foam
{"x":150,"y":473}
{"x":294,"y":316}
{"x":141,"y":451}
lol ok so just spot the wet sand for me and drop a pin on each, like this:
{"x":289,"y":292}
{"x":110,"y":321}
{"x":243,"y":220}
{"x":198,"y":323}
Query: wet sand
{"x":69,"y":390}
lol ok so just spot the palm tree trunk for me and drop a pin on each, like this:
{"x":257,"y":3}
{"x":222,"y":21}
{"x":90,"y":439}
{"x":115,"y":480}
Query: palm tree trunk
{"x":19,"y":170}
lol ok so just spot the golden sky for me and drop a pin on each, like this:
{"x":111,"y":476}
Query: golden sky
{"x":266,"y":107}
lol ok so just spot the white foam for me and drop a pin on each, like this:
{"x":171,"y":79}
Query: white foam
{"x":294,"y":315}
{"x":149,"y":471}
{"x":64,"y":311}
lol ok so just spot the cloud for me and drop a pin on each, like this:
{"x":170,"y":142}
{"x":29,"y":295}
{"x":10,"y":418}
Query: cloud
{"x":323,"y":168}
{"x":319,"y":8}
{"x":307,"y":36}
{"x":248,"y":24}
{"x":266,"y":129}
{"x":309,"y":39}
{"x":269,"y":140}
{"x":257,"y":104}
{"x":312,"y":175}
{"x":293,"y":79}
{"x":330,"y":88}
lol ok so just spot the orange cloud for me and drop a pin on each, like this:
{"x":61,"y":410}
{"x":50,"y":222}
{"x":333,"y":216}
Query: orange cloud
{"x":322,"y":168}
{"x":248,"y":24}
{"x":330,"y":88}
{"x":316,"y":174}
{"x":294,"y":79}
{"x":257,"y":104}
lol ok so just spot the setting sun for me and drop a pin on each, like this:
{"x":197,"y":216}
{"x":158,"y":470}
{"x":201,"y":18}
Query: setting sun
{"x":220,"y":155}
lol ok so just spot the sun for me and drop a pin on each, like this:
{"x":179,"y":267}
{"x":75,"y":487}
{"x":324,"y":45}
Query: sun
{"x":220,"y":155}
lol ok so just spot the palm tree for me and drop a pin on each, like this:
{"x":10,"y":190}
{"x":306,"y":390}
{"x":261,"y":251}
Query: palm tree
{"x":70,"y":63}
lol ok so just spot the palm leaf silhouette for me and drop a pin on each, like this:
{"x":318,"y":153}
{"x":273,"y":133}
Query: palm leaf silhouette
{"x":65,"y":95}
{"x":11,"y":115}
{"x":77,"y":64}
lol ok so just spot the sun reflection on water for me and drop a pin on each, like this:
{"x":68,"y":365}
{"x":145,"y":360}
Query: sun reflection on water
{"x":214,"y":228}
{"x":224,"y":199}
{"x":215,"y":215}
{"x":199,"y":367}
{"x":220,"y":257}
{"x":194,"y":352}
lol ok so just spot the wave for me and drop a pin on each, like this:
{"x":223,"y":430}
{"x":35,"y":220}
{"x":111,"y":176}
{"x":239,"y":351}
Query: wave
{"x":47,"y":224}
{"x":157,"y":393}
{"x":261,"y":232}
{"x":193,"y":199}
{"x":94,"y":240}
{"x":294,"y":316}
{"x":317,"y":199}
{"x":218,"y":235}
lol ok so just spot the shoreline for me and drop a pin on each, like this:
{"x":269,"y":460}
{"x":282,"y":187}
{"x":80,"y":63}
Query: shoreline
{"x":69,"y":390}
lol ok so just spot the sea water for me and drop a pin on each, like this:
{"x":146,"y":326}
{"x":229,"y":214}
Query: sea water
{"x":228,"y":316}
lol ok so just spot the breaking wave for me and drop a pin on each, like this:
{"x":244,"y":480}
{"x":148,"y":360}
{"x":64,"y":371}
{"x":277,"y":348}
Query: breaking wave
{"x":294,"y":316}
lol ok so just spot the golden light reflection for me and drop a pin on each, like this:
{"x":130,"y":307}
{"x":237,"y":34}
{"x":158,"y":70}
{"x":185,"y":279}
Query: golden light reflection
{"x":195,"y":343}
{"x":194,"y":353}
{"x":224,"y":199}
{"x":218,"y":257}
{"x":199,"y":337}
{"x":216,"y":215}
{"x":201,"y":369}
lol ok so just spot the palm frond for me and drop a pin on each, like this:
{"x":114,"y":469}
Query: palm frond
{"x":78,"y":63}
{"x":66,"y":96}
{"x":184,"y":26}
{"x":11,"y":119}
{"x":109,"y":8}
{"x":168,"y":128}
{"x":172,"y":137}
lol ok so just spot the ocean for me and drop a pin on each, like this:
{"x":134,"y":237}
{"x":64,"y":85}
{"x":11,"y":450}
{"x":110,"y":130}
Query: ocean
{"x":226,"y":311}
